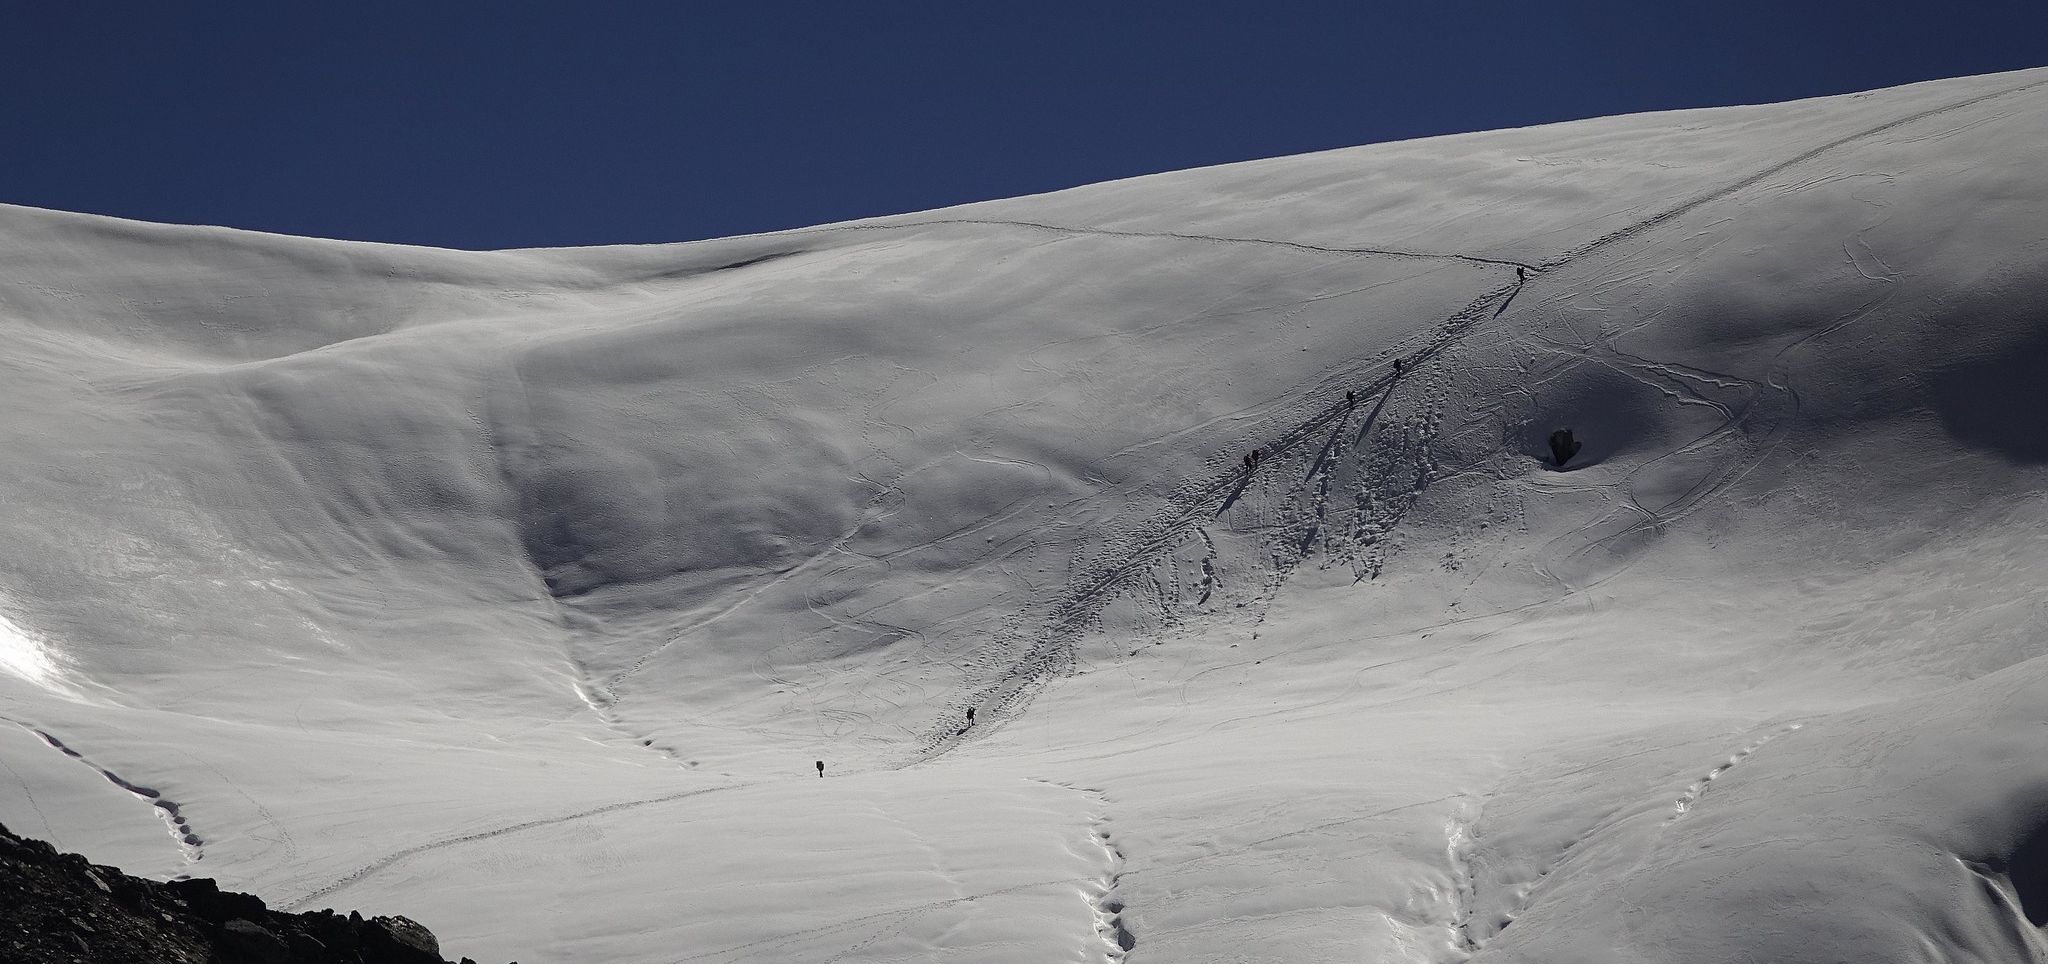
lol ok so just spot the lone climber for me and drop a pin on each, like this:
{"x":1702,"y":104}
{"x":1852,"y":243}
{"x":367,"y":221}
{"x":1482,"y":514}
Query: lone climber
{"x":821,"y":769}
{"x":970,"y":716}
{"x":1397,"y":368}
{"x":1350,"y":399}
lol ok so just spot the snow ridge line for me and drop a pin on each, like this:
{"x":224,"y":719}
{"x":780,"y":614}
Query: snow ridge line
{"x":2019,"y":928}
{"x":189,"y":843}
{"x":1752,"y":180}
{"x":1568,"y":256}
{"x":1173,"y":236}
{"x":388,"y":860}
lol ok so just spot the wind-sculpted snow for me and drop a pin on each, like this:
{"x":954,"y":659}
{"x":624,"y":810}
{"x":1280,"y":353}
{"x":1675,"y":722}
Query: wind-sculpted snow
{"x":520,"y":592}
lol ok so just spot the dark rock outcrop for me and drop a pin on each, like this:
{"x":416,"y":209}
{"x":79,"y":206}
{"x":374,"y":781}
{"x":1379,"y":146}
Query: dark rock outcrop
{"x":1563,"y":446}
{"x":57,"y":907}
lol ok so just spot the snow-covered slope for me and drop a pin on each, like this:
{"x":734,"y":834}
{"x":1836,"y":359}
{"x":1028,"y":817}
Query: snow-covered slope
{"x":518,"y":592}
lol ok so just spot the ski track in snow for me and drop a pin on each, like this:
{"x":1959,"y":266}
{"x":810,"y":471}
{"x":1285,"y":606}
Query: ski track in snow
{"x":188,"y":840}
{"x":1462,"y":842}
{"x":1759,"y":177}
{"x":1170,"y":236}
{"x":1106,"y":907}
{"x":32,"y":804}
{"x":880,"y":925}
{"x":1105,"y":903}
{"x":385,"y":862}
{"x":1691,"y":797}
{"x":1117,"y":937}
{"x":1134,"y":549}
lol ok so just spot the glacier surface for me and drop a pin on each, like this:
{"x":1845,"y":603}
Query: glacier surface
{"x":520,"y":592}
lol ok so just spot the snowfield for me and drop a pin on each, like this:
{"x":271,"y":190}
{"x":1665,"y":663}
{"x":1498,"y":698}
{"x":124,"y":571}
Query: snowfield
{"x":519,"y":592}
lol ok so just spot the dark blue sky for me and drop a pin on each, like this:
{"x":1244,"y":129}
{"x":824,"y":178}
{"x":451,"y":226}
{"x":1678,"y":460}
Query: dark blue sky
{"x":510,"y":124}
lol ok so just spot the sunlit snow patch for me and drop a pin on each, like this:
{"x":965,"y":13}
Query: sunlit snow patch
{"x":27,"y":655}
